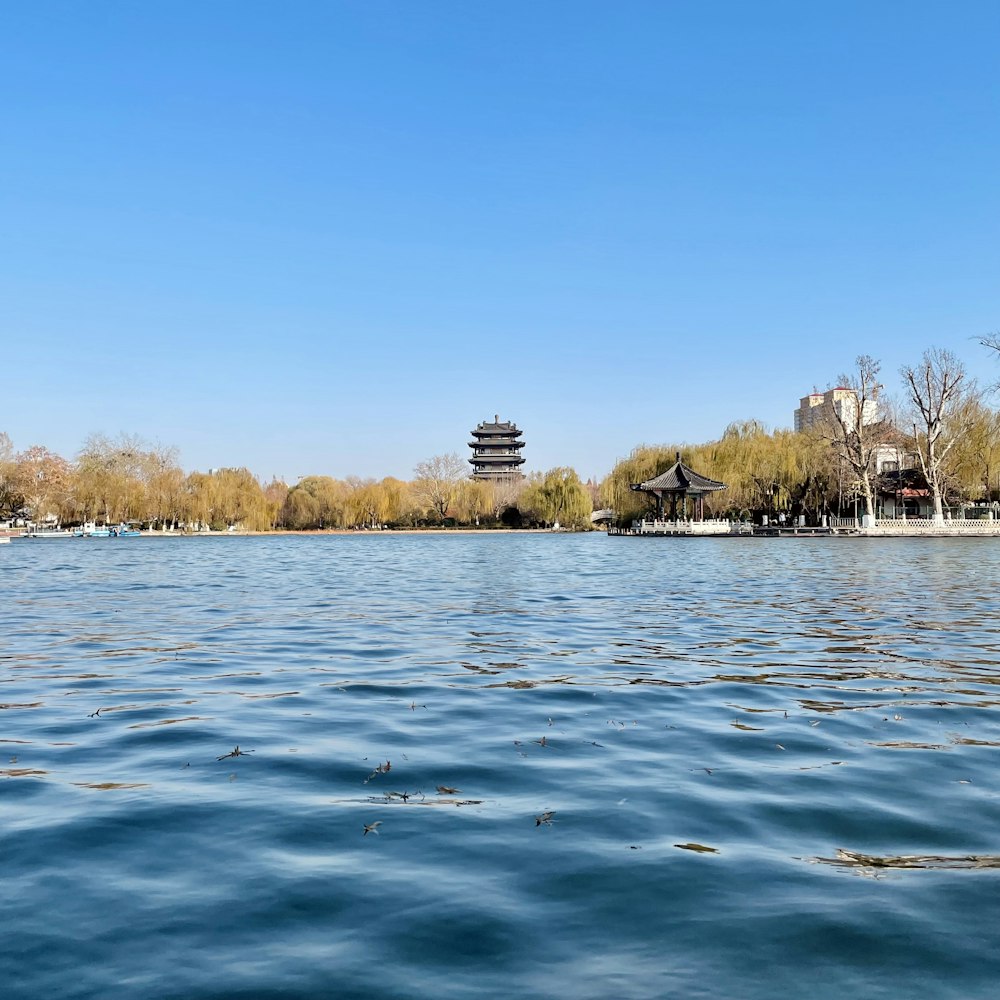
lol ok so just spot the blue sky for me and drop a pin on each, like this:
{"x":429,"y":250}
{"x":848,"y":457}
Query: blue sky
{"x":330,"y":238}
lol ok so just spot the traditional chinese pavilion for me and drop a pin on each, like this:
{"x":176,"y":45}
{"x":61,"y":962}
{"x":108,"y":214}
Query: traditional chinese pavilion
{"x":496,"y":450}
{"x":677,"y":485}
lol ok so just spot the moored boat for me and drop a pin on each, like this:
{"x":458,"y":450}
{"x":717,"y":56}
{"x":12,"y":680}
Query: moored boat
{"x":90,"y":530}
{"x":125,"y":531}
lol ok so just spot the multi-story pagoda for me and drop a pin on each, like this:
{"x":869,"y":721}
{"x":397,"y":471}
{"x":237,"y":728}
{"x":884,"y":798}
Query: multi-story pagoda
{"x":496,"y":450}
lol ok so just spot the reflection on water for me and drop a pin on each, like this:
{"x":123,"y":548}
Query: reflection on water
{"x":500,"y":765}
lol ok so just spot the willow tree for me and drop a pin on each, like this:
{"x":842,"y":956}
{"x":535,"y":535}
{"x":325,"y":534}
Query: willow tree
{"x":316,"y":502}
{"x":300,"y":510}
{"x":11,"y":500}
{"x":760,"y":469}
{"x":473,"y":501}
{"x":400,"y":507}
{"x":936,"y":388}
{"x":558,"y":497}
{"x":239,"y":500}
{"x":974,"y":463}
{"x":644,"y":462}
{"x":275,"y":493}
{"x":368,"y":504}
{"x":163,"y":479}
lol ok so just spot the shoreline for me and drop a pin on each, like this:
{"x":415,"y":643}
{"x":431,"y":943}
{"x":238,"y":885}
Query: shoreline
{"x":324,"y":532}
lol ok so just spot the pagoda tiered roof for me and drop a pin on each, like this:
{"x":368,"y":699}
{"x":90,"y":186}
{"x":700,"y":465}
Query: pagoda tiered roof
{"x":679,"y":478}
{"x":496,"y":449}
{"x":506,"y":429}
{"x":509,"y":458}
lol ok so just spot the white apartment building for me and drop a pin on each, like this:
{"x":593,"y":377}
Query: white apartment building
{"x":841,"y":401}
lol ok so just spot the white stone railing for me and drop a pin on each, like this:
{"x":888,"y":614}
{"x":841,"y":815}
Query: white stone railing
{"x":923,"y":526}
{"x":644,"y":527}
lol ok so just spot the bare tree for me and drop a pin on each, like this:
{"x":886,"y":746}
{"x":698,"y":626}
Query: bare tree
{"x":992,"y":341}
{"x":936,"y":388}
{"x":853,"y":423}
{"x":436,"y":480}
{"x":504,"y":493}
{"x":42,"y":479}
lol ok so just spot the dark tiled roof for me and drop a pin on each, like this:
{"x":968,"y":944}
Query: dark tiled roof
{"x":497,"y":426}
{"x":680,"y":478}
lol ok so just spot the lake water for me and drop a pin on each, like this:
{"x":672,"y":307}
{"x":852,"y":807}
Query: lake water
{"x":748,"y":768}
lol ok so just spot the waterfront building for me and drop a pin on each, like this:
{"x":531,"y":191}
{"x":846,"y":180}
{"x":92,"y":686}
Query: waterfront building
{"x":679,"y":484}
{"x":843,"y":402}
{"x":496,"y":450}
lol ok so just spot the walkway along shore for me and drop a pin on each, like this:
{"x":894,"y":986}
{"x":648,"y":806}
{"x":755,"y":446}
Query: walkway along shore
{"x":840,"y":527}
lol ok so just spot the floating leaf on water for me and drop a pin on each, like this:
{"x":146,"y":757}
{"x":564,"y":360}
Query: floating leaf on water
{"x":855,"y":859}
{"x":545,"y":819}
{"x":104,"y":786}
{"x":699,"y":848}
{"x":477,"y":669}
{"x":381,"y":769}
{"x":168,"y":722}
{"x":907,"y":745}
{"x":447,"y":790}
{"x":744,"y":726}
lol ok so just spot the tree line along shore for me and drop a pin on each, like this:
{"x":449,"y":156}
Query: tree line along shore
{"x":125,"y":480}
{"x":942,"y":423}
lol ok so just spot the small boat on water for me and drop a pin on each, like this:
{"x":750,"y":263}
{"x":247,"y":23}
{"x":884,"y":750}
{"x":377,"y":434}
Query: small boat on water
{"x":48,"y":533}
{"x":125,"y":531}
{"x":90,"y":530}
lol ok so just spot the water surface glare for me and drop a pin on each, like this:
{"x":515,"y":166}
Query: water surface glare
{"x":393,"y":766}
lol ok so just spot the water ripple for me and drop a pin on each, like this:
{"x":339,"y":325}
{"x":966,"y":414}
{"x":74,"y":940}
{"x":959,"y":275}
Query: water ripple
{"x":586,"y":767}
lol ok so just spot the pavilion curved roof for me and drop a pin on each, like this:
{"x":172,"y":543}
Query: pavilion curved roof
{"x":680,"y":479}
